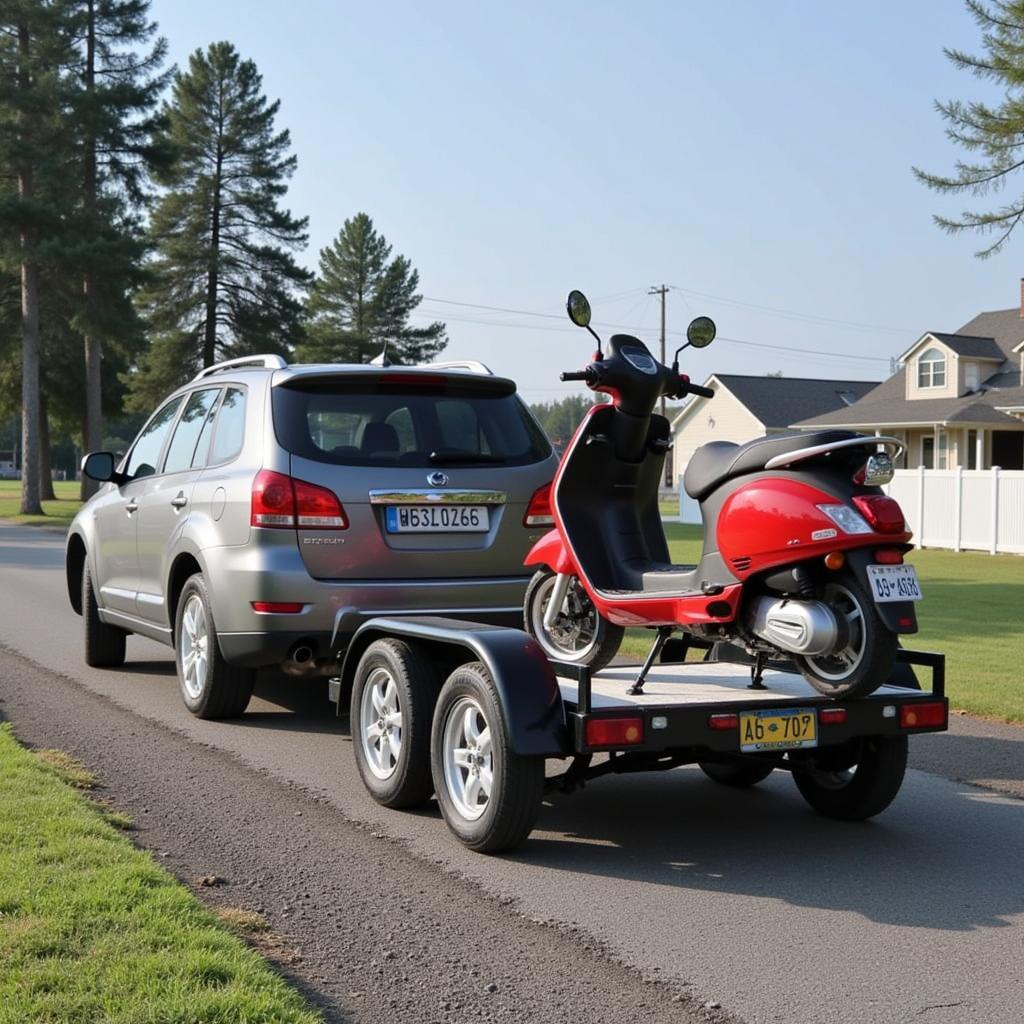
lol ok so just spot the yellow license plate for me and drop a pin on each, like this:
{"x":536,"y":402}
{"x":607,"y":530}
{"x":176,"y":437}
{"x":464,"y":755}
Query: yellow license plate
{"x":777,"y":729}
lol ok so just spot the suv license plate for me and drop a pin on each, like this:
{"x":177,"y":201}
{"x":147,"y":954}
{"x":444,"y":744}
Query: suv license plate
{"x":437,"y":518}
{"x":894,"y":583}
{"x":778,"y":729}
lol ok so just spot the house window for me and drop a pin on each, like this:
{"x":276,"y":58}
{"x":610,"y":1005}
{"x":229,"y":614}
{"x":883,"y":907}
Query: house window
{"x":941,"y":449}
{"x":928,"y":452}
{"x":972,"y":449}
{"x":931,"y":369}
{"x":971,"y":377}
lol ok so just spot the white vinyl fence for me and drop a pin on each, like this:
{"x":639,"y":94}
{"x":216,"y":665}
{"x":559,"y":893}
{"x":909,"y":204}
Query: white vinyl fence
{"x":980,"y":510}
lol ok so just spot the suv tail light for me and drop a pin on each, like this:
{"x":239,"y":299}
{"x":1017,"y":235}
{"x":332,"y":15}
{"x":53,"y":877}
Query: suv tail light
{"x":538,"y":512}
{"x":281,"y":502}
{"x":882,"y":512}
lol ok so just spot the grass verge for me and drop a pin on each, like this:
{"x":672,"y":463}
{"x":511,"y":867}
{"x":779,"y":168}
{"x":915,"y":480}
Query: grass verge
{"x":91,"y":929}
{"x":971,"y":612}
{"x":56,"y":513}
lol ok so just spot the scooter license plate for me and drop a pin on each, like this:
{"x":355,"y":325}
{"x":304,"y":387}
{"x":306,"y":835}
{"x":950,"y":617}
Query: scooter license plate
{"x":894,"y":583}
{"x":778,"y":729}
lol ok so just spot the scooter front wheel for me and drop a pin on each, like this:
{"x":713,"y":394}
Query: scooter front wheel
{"x":866,"y":661}
{"x":578,"y":634}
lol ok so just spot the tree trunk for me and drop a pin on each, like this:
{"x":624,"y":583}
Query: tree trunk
{"x":212,"y":277}
{"x":29,"y":324}
{"x":46,"y":492}
{"x":92,"y":439}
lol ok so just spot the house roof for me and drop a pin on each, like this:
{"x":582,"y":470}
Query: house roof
{"x":999,"y":331}
{"x":967,"y":345}
{"x":776,"y":401}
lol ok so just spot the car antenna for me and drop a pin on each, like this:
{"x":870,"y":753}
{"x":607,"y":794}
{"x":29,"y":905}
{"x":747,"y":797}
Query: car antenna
{"x":382,"y":359}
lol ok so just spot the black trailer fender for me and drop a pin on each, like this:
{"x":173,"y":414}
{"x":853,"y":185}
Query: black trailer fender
{"x":530,"y":698}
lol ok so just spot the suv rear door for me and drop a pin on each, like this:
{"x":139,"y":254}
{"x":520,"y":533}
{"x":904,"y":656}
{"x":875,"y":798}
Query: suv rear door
{"x":461,"y":445}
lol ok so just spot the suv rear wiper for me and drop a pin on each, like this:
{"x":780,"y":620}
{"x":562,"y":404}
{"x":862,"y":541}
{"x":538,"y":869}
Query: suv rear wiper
{"x":452,"y":457}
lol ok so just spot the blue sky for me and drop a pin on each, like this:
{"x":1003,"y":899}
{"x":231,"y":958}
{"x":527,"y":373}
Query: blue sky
{"x":748,"y":154}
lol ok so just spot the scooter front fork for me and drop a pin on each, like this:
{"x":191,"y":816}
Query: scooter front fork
{"x":557,"y":599}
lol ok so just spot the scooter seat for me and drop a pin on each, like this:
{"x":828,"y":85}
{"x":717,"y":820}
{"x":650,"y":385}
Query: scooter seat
{"x":717,"y":461}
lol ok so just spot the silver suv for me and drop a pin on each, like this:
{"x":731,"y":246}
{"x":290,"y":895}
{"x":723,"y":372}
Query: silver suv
{"x":265,"y":509}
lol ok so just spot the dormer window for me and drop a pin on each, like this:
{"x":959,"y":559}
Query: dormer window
{"x":931,"y":369}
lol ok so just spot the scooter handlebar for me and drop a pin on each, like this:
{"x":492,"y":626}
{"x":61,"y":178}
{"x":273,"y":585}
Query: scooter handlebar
{"x":699,"y":389}
{"x":589,"y":374}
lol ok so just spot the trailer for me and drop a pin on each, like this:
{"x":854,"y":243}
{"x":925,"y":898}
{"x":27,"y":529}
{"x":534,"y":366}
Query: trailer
{"x":477,"y":715}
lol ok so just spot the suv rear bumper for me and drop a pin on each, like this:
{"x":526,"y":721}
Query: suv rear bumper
{"x":272,"y":570}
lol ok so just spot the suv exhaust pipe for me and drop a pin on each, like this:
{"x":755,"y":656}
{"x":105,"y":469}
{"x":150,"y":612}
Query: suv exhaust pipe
{"x":799,"y":627}
{"x":302,"y":662}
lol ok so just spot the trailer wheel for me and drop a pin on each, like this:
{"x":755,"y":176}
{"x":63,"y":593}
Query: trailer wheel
{"x":393,"y":695}
{"x":857,"y":784}
{"x":489,"y":795}
{"x":738,"y":774}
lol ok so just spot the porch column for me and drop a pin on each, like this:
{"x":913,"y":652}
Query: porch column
{"x":979,"y":450}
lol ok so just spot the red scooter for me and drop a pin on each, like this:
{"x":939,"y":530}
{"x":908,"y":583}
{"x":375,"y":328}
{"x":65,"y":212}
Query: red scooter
{"x":803,"y":553}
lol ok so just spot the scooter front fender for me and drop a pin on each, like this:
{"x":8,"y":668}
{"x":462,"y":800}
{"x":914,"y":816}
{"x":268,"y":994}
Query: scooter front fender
{"x":551,"y":551}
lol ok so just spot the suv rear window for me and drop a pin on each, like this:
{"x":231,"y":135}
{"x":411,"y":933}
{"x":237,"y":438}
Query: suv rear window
{"x":378,"y":423}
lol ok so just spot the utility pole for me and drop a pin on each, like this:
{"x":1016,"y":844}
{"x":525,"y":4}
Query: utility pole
{"x":662,"y":292}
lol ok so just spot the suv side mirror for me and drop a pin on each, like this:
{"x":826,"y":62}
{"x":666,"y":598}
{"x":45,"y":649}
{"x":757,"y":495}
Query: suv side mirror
{"x":102,"y":467}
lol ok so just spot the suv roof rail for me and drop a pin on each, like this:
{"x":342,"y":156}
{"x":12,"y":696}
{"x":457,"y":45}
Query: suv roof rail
{"x":473,"y":365}
{"x":270,"y":362}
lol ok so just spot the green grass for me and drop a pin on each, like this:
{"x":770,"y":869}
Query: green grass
{"x":91,"y":929}
{"x":973,"y":612}
{"x":56,"y":513}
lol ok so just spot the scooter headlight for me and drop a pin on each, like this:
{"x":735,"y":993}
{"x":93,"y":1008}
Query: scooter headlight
{"x":846,"y":519}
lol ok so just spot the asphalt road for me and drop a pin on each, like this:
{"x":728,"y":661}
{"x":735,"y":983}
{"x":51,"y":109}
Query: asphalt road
{"x":746,"y":899}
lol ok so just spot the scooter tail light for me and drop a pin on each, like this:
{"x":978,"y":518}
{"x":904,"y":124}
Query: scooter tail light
{"x":889,"y":556}
{"x":273,"y":501}
{"x":882,"y":512}
{"x":539,"y":511}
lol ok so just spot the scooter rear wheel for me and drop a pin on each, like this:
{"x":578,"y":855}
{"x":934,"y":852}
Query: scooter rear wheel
{"x":580,"y":635}
{"x":867,"y":660}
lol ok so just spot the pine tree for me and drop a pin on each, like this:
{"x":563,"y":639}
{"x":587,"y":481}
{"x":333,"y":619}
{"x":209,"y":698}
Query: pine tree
{"x":994,"y":133}
{"x":363,"y":298}
{"x":118,"y":90}
{"x":224,"y":278}
{"x":34,"y":156}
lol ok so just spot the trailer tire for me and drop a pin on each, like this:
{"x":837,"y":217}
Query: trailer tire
{"x":393,"y":694}
{"x":104,"y":645}
{"x":861,"y":790}
{"x":737,"y":774}
{"x":489,"y":795}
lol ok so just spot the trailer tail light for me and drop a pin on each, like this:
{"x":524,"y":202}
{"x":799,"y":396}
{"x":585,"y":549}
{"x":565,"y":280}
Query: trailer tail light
{"x":281,"y":502}
{"x":882,"y":512}
{"x":614,"y":732}
{"x":923,"y":715}
{"x":889,"y":556}
{"x":722,"y":722}
{"x":538,"y":512}
{"x":832,"y":716}
{"x":277,"y":607}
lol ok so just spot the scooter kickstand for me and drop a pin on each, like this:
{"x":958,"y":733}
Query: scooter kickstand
{"x":756,"y":671}
{"x":664,"y":632}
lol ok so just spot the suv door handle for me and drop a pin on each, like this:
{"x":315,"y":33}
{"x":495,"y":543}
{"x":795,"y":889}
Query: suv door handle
{"x":131,"y":507}
{"x":180,"y":501}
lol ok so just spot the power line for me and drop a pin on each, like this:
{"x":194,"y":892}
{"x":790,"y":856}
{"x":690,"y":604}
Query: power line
{"x":623,"y":327}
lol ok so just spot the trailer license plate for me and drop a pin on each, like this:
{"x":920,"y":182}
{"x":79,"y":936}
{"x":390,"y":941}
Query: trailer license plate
{"x":437,"y":518}
{"x":894,"y":583}
{"x":778,"y":729}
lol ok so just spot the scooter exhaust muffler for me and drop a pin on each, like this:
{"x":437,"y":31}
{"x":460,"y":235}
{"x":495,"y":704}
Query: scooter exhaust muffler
{"x":799,"y":627}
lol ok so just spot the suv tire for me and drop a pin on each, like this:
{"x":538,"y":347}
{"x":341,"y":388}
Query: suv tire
{"x":210,"y":687}
{"x":104,"y":645}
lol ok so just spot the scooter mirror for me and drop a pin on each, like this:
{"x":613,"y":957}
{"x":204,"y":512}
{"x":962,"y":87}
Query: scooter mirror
{"x":578,"y":308}
{"x":701,"y":332}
